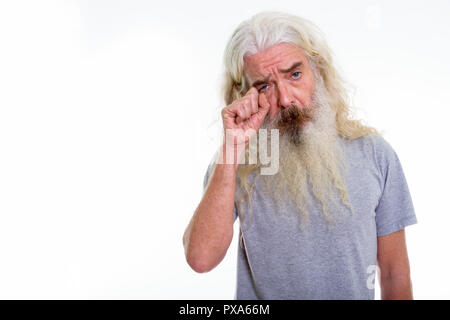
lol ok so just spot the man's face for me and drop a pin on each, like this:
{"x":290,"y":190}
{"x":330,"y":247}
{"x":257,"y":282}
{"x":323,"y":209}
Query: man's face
{"x":283,"y":74}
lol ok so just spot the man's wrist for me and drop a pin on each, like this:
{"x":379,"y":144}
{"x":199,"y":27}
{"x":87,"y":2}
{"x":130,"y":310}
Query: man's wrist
{"x":232,"y":154}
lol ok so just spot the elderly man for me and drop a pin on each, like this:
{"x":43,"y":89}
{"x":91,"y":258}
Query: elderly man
{"x":336,"y":209}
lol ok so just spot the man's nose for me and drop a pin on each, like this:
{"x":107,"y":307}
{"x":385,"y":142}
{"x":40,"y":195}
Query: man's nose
{"x":285,"y":98}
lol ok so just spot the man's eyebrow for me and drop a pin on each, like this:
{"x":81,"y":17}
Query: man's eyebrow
{"x":291,"y":68}
{"x":266,"y":79}
{"x":258,"y":82}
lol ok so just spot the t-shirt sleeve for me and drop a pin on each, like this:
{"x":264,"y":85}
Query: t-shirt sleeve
{"x":395,"y":209}
{"x":205,"y":183}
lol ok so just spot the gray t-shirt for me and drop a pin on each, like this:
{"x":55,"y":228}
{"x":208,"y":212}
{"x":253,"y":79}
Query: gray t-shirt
{"x":278,"y":260}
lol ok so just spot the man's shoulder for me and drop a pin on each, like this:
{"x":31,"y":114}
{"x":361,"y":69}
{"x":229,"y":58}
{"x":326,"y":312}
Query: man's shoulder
{"x":374,"y":141}
{"x":374,"y":147}
{"x":383,"y":152}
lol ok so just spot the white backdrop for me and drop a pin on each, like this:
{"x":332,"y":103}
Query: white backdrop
{"x":108,"y":119}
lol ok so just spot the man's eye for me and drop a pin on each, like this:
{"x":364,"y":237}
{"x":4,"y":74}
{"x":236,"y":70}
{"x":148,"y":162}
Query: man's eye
{"x":263,"y":88}
{"x":296,"y":75}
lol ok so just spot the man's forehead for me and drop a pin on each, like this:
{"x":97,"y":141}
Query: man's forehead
{"x":280,"y":56}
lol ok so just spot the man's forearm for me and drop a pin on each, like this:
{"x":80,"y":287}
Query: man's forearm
{"x":210,"y":231}
{"x":396,"y":288}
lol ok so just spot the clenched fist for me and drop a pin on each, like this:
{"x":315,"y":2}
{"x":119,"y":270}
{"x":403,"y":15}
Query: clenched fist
{"x":246,"y":113}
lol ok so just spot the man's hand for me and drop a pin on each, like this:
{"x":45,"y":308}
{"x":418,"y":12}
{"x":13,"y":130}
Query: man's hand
{"x":246,"y":113}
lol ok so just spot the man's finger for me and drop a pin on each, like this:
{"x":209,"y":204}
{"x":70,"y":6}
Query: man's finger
{"x":252,"y":91}
{"x":253,"y":104}
{"x":262,"y":101}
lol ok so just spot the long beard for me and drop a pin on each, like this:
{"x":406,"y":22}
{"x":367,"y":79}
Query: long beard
{"x":311,"y":162}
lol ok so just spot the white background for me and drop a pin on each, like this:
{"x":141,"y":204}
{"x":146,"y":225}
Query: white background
{"x":108,"y":119}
